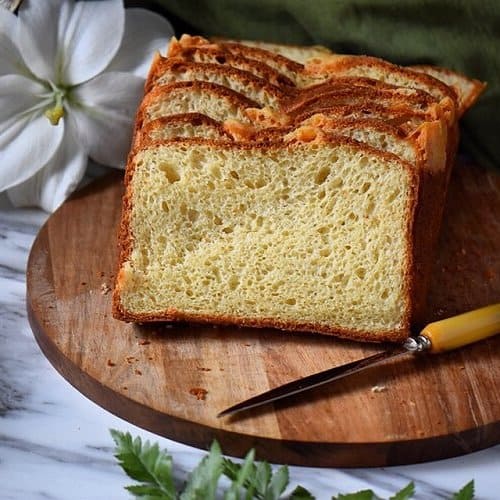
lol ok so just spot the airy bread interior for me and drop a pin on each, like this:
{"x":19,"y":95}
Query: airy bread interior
{"x":275,"y":235}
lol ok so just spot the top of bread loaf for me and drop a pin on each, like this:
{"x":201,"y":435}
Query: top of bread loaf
{"x":289,"y":187}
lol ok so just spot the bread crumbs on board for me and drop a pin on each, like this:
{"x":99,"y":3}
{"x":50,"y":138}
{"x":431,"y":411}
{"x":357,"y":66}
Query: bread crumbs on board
{"x":199,"y":392}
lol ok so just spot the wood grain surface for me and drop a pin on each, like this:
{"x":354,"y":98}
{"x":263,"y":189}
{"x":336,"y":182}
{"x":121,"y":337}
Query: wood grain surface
{"x":173,"y":380}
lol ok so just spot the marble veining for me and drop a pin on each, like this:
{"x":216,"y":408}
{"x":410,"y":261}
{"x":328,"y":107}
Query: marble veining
{"x":55,"y":443}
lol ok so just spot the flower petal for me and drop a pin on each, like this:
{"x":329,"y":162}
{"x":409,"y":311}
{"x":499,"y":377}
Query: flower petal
{"x":26,"y":146}
{"x":42,"y":28}
{"x":18,"y":95}
{"x":11,"y":61}
{"x":91,"y":40}
{"x":27,"y":139}
{"x":145,"y":34}
{"x":7,"y":22}
{"x":70,"y":42}
{"x":52,"y":185}
{"x":104,"y":115}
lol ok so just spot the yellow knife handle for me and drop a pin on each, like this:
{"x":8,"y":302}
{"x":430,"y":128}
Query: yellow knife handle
{"x":463,"y":329}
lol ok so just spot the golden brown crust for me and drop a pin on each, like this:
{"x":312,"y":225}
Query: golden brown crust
{"x":172,"y":315}
{"x":342,"y":64}
{"x":465,"y":101}
{"x":396,"y":117}
{"x":217,"y":55}
{"x":321,"y":124}
{"x":177,"y":46}
{"x":431,"y":139}
{"x":331,"y":140}
{"x":325,"y":122}
{"x":360,"y":96}
{"x":274,"y":60}
{"x":345,"y":82}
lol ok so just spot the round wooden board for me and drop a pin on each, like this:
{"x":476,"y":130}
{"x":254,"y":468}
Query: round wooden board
{"x":426,"y":408}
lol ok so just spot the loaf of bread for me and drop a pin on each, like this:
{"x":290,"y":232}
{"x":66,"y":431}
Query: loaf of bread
{"x":286,"y":187}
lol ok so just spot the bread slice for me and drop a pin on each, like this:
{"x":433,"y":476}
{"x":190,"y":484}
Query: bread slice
{"x":374,"y":132}
{"x":296,"y":53}
{"x":401,"y":121}
{"x":425,"y":149}
{"x":467,"y":90}
{"x":314,"y":237}
{"x":166,"y":71}
{"x":219,"y":55}
{"x":285,"y":66}
{"x":372,"y":67}
{"x":403,"y":99}
{"x":215,"y":101}
{"x":185,"y":125}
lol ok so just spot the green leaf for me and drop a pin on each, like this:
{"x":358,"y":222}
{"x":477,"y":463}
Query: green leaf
{"x":466,"y":493}
{"x":259,"y":478}
{"x":145,"y":463}
{"x":242,"y":478}
{"x":145,"y":492}
{"x":406,"y":493}
{"x":300,"y":493}
{"x":203,"y":480}
{"x":359,"y":495}
{"x":278,"y":484}
{"x":263,"y":473}
{"x":230,"y":469}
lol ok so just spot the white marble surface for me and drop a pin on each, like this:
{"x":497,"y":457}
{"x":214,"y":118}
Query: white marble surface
{"x":55,"y":443}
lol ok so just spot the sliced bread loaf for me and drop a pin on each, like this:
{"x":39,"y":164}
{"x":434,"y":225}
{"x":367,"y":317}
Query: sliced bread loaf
{"x":304,"y":197}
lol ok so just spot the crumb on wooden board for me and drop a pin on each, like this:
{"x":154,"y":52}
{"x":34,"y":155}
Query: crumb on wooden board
{"x":199,"y":392}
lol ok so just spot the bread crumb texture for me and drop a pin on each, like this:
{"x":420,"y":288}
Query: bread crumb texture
{"x":303,"y":234}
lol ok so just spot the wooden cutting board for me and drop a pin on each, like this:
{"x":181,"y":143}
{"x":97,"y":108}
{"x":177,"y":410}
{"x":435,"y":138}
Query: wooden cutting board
{"x":174,"y":380}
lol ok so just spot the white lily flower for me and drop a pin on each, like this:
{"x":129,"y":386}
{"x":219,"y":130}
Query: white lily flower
{"x":71,"y":78}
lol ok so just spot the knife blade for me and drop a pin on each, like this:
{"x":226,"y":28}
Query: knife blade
{"x":439,"y":336}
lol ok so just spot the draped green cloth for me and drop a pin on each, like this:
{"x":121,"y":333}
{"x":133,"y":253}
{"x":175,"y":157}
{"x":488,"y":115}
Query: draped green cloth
{"x":463,"y":35}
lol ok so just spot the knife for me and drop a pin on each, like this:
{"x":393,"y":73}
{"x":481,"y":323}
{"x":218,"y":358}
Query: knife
{"x":440,"y":336}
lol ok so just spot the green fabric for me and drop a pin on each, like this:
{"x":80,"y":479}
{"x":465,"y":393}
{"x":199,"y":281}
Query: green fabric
{"x":463,"y":35}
